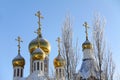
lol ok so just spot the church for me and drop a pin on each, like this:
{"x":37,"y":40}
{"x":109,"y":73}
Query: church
{"x":39,"y":49}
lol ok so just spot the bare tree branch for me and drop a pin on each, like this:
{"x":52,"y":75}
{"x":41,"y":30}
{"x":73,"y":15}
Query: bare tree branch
{"x":109,"y":66}
{"x":69,"y":51}
{"x":103,"y":55}
{"x":98,"y":38}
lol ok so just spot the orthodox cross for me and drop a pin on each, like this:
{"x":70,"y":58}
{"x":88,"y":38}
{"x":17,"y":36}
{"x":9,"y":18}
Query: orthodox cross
{"x":58,"y":40}
{"x":38,"y":14}
{"x":86,"y":29}
{"x":19,"y":40}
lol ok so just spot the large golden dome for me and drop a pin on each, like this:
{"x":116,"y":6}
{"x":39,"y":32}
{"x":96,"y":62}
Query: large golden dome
{"x":44,"y":45}
{"x":59,"y":61}
{"x":87,"y":45}
{"x":38,"y":54}
{"x":18,"y":61}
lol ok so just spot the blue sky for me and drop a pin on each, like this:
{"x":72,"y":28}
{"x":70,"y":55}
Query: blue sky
{"x":17,"y":18}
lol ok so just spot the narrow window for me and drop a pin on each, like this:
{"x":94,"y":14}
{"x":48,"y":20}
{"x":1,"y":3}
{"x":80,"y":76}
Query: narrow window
{"x":60,"y":72}
{"x":41,"y":66}
{"x":37,"y":65}
{"x":57,"y":71}
{"x":21,"y":72}
{"x":18,"y":72}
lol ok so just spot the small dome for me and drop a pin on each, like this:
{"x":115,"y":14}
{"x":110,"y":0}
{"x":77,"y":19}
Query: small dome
{"x":87,"y":45}
{"x":44,"y":45}
{"x":18,"y":61}
{"x":38,"y":54}
{"x":59,"y":61}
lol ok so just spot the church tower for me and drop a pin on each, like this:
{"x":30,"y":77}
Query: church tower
{"x":59,"y":64}
{"x":89,"y":69}
{"x":18,"y":63}
{"x":39,"y":49}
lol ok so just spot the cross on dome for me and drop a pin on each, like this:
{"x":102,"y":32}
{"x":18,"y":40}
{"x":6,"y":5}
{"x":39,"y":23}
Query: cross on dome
{"x":58,"y":40}
{"x":86,"y":29}
{"x":19,"y":40}
{"x":38,"y":14}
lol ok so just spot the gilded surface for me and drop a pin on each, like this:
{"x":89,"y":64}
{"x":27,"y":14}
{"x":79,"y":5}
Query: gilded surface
{"x":44,"y":45}
{"x":18,"y":63}
{"x":38,"y":55}
{"x":87,"y":46}
{"x":59,"y":62}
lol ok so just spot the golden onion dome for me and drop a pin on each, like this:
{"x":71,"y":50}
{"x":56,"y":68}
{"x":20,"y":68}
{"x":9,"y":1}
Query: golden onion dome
{"x":44,"y":45}
{"x":59,"y":61}
{"x":18,"y":61}
{"x":87,"y":45}
{"x":38,"y":54}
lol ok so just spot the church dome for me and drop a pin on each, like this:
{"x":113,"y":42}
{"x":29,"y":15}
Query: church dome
{"x":18,"y":61}
{"x":38,"y":54}
{"x":87,"y":45}
{"x":59,"y":61}
{"x":44,"y":45}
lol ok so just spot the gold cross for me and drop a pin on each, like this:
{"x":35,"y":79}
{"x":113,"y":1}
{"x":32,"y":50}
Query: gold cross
{"x":38,"y":14}
{"x":58,"y":40}
{"x":86,"y":29}
{"x":19,"y":40}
